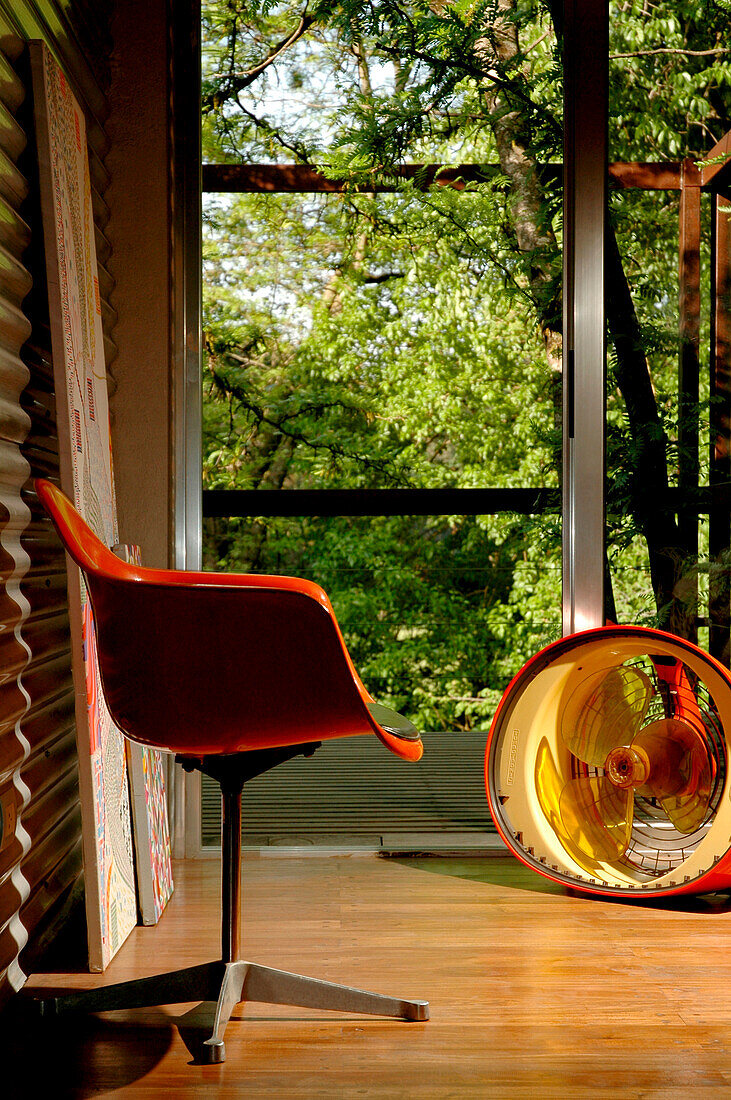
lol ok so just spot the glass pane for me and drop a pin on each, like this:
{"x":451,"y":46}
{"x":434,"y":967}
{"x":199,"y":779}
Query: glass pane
{"x":336,"y":363}
{"x":391,"y":336}
{"x":438,"y":614}
{"x":652,"y":444}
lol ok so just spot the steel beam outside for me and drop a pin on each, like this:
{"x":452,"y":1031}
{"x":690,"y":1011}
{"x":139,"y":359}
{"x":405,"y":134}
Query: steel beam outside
{"x":719,"y":596}
{"x":303,"y":179}
{"x":688,"y":389}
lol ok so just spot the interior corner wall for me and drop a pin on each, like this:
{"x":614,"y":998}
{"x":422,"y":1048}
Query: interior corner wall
{"x":139,"y":233}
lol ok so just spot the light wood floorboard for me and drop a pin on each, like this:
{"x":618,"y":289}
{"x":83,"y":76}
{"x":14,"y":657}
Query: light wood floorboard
{"x":534,"y":992}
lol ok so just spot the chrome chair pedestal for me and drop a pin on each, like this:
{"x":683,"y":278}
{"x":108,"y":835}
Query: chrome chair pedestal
{"x":230,"y":980}
{"x":224,"y":985}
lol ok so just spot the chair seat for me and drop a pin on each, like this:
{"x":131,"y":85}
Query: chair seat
{"x":392,"y":722}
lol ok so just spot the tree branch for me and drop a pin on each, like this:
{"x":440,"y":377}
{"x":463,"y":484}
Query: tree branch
{"x":383,"y":277}
{"x":236,"y":82}
{"x":262,"y":417}
{"x":274,"y":132}
{"x":669,"y":49}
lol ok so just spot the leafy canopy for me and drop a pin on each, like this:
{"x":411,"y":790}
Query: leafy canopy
{"x":411,"y":338}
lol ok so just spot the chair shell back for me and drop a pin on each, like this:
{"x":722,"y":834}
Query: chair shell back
{"x":204,"y":663}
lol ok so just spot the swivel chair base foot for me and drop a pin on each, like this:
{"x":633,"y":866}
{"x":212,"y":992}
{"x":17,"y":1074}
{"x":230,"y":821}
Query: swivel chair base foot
{"x":225,"y":985}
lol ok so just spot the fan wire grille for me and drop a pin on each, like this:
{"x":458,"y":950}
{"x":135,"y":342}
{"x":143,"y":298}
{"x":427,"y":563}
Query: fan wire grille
{"x":656,"y":848}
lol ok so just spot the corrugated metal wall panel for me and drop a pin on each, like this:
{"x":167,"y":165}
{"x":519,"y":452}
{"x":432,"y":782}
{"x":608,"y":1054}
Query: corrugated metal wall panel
{"x":15,"y":282}
{"x":12,"y":89}
{"x":100,"y":208}
{"x":12,"y":138}
{"x":53,"y":875}
{"x":103,"y":247}
{"x":100,"y":179}
{"x":41,"y":869}
{"x":52,"y":866}
{"x":106,"y":282}
{"x":14,"y":233}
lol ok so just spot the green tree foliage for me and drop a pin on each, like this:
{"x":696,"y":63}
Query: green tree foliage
{"x":412,"y":338}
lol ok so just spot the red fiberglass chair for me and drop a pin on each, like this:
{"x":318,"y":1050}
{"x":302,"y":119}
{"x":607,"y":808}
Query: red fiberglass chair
{"x":234,"y":674}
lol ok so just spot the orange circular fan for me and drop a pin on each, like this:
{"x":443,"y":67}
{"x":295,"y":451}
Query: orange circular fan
{"x":606,"y":764}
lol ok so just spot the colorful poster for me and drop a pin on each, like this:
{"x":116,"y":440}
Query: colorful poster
{"x":86,"y":476}
{"x":152,"y":836}
{"x":149,"y":814}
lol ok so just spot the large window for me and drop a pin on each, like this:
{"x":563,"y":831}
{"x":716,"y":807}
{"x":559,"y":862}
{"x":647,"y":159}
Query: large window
{"x":382,"y":379}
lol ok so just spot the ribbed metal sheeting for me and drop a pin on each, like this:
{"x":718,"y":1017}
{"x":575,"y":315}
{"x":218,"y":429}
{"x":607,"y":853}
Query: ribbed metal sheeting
{"x":15,"y":612}
{"x":41,"y":869}
{"x":353,"y":792}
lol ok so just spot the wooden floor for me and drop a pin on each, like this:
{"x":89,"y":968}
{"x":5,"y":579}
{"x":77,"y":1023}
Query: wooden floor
{"x":534,"y":992}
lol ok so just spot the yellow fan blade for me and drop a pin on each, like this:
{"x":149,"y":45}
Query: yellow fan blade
{"x":597,"y":816}
{"x":681,"y":772}
{"x":610,"y":713}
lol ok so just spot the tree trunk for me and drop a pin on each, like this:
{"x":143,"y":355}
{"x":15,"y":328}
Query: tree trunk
{"x":649,"y":486}
{"x":536,"y":243}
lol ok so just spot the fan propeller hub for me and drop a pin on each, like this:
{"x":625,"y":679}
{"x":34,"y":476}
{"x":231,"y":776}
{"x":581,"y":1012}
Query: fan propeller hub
{"x":627,"y":766}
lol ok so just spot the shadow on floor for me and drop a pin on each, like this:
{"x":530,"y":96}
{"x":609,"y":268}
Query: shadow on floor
{"x":79,"y":1057}
{"x":509,"y":873}
{"x":498,"y":870}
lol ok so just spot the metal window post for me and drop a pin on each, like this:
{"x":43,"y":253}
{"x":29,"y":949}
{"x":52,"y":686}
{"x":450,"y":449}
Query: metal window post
{"x":185,"y":352}
{"x":585,"y":60}
{"x":185,"y":247}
